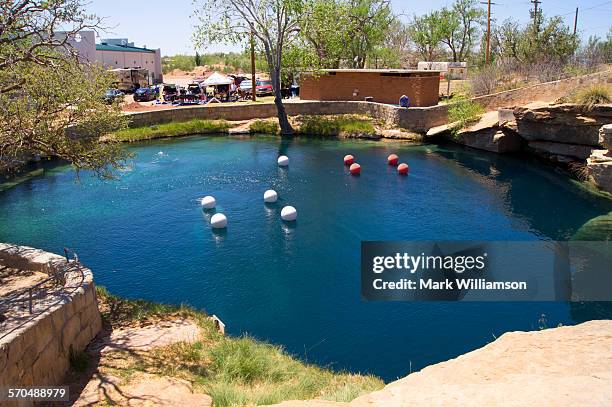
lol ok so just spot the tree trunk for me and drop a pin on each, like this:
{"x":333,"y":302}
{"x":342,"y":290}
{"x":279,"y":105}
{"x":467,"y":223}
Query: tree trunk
{"x":283,"y":121}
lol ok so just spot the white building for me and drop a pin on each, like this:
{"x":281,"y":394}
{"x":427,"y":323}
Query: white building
{"x":457,"y":70}
{"x":118,"y":53}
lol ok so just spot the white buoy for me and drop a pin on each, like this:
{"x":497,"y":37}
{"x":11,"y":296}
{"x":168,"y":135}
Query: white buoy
{"x":218,"y":221}
{"x":283,"y":161}
{"x":288,"y":213}
{"x":208,"y":202}
{"x":270,"y":196}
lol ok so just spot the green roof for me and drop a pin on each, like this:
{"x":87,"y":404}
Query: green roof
{"x":121,"y":48}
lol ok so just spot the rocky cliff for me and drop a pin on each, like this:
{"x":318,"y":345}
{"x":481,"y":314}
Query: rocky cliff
{"x":566,"y":366}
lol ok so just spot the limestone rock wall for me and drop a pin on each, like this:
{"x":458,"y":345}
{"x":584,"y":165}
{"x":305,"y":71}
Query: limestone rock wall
{"x":35,"y":349}
{"x":599,"y":164}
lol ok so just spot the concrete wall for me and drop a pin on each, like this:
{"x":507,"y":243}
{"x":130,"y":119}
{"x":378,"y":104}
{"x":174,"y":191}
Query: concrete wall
{"x":129,"y":59}
{"x":85,"y":44}
{"x":37,"y":352}
{"x":421,"y":88}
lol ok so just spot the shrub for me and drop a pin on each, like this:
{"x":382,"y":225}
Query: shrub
{"x":595,"y":95}
{"x":264,"y":127}
{"x":462,"y":112}
{"x":484,"y":82}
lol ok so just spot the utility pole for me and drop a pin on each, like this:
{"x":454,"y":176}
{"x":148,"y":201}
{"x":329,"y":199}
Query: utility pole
{"x":488,"y":52}
{"x":253,"y":81}
{"x":536,"y":17}
{"x":576,"y":21}
{"x":488,"y":58}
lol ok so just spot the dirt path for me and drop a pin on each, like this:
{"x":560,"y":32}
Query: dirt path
{"x":103,"y":388}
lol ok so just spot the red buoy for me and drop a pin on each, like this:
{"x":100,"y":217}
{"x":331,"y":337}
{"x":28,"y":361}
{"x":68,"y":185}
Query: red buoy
{"x":392,"y":159}
{"x":403,"y":168}
{"x":349,"y":159}
{"x":355,"y":169}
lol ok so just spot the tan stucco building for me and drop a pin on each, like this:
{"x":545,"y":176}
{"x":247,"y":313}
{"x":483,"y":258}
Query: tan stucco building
{"x":382,"y":85}
{"x":118,"y":53}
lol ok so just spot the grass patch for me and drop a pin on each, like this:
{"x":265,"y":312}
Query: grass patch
{"x":117,"y":311}
{"x":174,"y":129}
{"x":333,"y":126}
{"x":233,"y":371}
{"x":463,"y":112}
{"x":595,"y":95}
{"x":264,"y":127}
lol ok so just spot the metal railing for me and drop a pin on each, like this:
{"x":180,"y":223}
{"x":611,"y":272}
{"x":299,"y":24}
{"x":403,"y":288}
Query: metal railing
{"x":31,"y":294}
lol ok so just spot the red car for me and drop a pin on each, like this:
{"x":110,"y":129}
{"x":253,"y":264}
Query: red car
{"x":264,"y":88}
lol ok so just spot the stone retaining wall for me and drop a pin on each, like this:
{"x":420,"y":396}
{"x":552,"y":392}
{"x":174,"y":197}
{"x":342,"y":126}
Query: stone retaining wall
{"x":36,"y":351}
{"x":544,"y":92}
{"x":416,"y":119}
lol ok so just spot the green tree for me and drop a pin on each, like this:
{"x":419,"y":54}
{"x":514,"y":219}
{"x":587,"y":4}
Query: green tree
{"x":426,"y":34}
{"x":459,"y":27}
{"x":346,"y":30}
{"x":273,"y":23}
{"x":369,"y":21}
{"x":546,"y":40}
{"x":197,"y":59}
{"x":324,"y":26}
{"x":50,"y":102}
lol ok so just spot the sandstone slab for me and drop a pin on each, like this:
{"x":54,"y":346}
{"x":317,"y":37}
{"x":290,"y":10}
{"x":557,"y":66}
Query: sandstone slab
{"x":565,"y":123}
{"x":148,"y":337}
{"x":566,"y":366}
{"x":491,"y":139}
{"x":578,"y":151}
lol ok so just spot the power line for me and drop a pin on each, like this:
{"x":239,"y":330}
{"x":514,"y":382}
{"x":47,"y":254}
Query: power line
{"x":586,"y":9}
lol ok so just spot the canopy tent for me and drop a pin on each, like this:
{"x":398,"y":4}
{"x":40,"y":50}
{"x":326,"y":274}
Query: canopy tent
{"x":218,"y":79}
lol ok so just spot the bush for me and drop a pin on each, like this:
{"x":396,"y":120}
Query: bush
{"x":264,"y":127}
{"x":462,"y":112}
{"x":596,"y":95}
{"x":484,"y":82}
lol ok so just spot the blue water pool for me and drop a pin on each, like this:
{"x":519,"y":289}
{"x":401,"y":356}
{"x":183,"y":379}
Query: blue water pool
{"x":145,"y":236}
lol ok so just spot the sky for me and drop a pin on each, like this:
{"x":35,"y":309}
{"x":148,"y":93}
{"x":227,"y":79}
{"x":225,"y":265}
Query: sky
{"x":168,"y":24}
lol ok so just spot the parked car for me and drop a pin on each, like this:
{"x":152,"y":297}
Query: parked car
{"x":170,"y":92}
{"x":246,"y":87}
{"x":112,"y":94}
{"x":264,"y":88}
{"x":144,"y":95}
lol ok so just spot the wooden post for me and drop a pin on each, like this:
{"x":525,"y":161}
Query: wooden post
{"x":576,"y":21}
{"x":253,"y":81}
{"x":488,"y":57}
